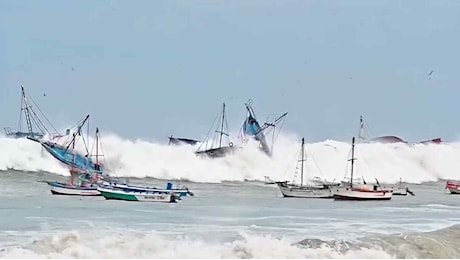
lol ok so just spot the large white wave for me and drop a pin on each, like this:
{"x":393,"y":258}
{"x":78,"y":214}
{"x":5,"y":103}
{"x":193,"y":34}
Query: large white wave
{"x":328,"y":159}
{"x":151,"y":245}
{"x":441,"y":243}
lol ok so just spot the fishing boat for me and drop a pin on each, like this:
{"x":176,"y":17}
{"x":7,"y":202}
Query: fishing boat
{"x":85,"y":174}
{"x":59,"y":188}
{"x":313,"y":190}
{"x":66,"y":153}
{"x":453,"y":186}
{"x":32,"y":121}
{"x":400,"y":190}
{"x":357,"y":191}
{"x":184,"y":191}
{"x":133,"y":195}
{"x":208,"y":148}
{"x":363,"y":137}
{"x":252,"y":128}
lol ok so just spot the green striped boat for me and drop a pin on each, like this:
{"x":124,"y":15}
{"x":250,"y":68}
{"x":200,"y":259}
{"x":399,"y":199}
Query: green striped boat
{"x":144,"y":196}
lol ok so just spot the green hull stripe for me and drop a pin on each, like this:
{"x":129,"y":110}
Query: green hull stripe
{"x":117,"y":196}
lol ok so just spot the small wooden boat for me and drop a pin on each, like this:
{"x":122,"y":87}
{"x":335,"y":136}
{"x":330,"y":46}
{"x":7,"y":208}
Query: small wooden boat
{"x":357,"y":191}
{"x":453,"y":186}
{"x":144,"y":196}
{"x":59,"y":188}
{"x":184,"y":191}
{"x":400,"y":190}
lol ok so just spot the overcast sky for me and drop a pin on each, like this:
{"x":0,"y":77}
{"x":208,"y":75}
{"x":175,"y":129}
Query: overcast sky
{"x":149,"y":69}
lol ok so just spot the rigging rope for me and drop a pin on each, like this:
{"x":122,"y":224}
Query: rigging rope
{"x":44,"y":116}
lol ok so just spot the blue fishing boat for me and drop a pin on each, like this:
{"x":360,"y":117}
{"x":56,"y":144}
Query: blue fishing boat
{"x":85,"y":174}
{"x":252,"y":128}
{"x":67,"y":155}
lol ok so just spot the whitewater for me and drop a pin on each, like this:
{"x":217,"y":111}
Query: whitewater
{"x":414,"y":163}
{"x":233,"y":213}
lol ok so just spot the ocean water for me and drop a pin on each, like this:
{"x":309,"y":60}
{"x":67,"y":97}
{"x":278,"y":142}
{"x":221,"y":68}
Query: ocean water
{"x":233,"y":213}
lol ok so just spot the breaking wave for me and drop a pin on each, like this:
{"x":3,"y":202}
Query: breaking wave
{"x":328,"y":159}
{"x":437,"y":244}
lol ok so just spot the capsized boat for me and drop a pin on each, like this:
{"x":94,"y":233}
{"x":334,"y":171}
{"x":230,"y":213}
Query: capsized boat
{"x":359,"y":191}
{"x":453,"y":186}
{"x":133,"y":195}
{"x":313,"y":190}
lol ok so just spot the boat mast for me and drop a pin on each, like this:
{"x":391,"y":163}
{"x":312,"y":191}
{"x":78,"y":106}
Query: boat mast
{"x":361,"y":129}
{"x":97,"y":146}
{"x":72,"y":172}
{"x":352,"y":159}
{"x":222,"y":125}
{"x":26,"y":110}
{"x":301,"y":168}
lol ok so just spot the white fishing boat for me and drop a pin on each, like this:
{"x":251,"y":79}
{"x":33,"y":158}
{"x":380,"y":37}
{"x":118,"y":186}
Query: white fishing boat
{"x":358,"y":191}
{"x":143,"y":196}
{"x":453,"y":186}
{"x":314,"y":190}
{"x":400,"y":190}
{"x":59,"y":188}
{"x":184,"y":191}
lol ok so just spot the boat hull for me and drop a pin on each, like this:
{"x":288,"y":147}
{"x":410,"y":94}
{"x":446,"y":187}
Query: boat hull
{"x":351,"y":194}
{"x":69,"y":158}
{"x":130,"y":188}
{"x":304,"y":192}
{"x":400,"y":192}
{"x":63,"y":189}
{"x":453,"y":186}
{"x":217,"y":152}
{"x":137,"y":196}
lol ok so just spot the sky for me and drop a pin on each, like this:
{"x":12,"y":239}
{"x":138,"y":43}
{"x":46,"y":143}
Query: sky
{"x":149,"y":69}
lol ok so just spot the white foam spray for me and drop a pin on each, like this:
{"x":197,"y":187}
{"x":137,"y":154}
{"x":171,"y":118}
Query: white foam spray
{"x":328,"y":159}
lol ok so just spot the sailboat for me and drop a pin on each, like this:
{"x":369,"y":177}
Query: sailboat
{"x":220,"y":150}
{"x":32,"y":121}
{"x":319,"y":190}
{"x":252,"y":128}
{"x":358,"y":191}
